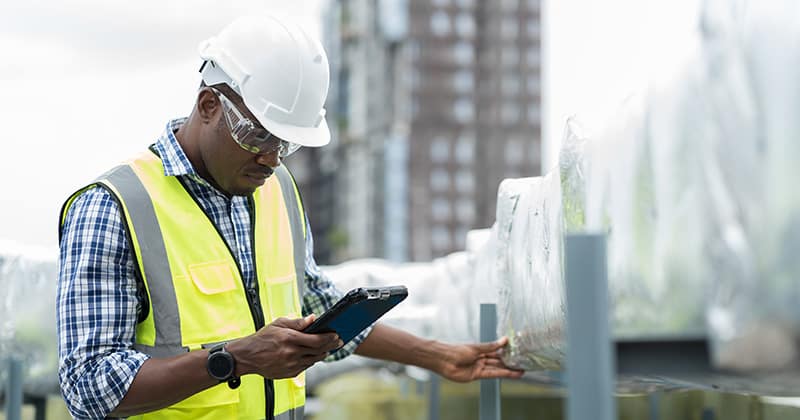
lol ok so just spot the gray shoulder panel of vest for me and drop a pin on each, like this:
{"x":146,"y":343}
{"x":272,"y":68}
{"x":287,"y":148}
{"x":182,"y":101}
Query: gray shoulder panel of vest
{"x":297,"y":224}
{"x":157,"y":273}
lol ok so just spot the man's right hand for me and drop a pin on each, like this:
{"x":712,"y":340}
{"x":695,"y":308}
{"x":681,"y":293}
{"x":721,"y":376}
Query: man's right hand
{"x":281,"y":349}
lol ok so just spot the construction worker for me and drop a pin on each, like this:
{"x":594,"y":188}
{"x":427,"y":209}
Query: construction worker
{"x":185,"y":272}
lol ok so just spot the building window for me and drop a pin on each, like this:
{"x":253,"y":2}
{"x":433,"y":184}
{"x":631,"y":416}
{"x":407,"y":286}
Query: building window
{"x":440,"y":209}
{"x":461,"y":236}
{"x":465,"y":182}
{"x":534,"y":56}
{"x":463,"y":110}
{"x":465,"y":149}
{"x":510,"y":5}
{"x":509,"y":28}
{"x":463,"y":81}
{"x":465,"y":4}
{"x":440,"y":150}
{"x":509,"y":56}
{"x":464,"y":53}
{"x":465,"y":25}
{"x":440,"y":23}
{"x":343,"y":96}
{"x":413,"y":77}
{"x":465,"y":211}
{"x":440,"y":180}
{"x":510,"y":113}
{"x":441,"y":3}
{"x":534,"y":28}
{"x":440,"y":237}
{"x":515,"y":152}
{"x":534,"y":112}
{"x":510,"y":85}
{"x":534,"y":85}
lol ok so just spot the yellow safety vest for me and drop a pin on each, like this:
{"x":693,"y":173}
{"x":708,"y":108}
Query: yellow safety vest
{"x":194,"y":290}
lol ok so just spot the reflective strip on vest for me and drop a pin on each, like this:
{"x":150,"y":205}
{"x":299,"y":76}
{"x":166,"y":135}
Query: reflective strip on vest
{"x":293,"y":414}
{"x":298,"y":225}
{"x":140,"y":210}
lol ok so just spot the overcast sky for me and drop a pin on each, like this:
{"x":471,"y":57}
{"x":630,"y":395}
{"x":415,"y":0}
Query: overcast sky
{"x":87,"y":83}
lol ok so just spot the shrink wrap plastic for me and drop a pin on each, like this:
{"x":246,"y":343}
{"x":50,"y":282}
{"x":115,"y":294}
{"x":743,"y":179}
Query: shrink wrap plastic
{"x":693,"y":181}
{"x":752,"y":176}
{"x":28,"y":279}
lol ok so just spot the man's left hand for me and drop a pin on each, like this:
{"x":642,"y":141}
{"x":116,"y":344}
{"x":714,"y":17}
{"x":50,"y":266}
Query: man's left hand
{"x":468,"y":362}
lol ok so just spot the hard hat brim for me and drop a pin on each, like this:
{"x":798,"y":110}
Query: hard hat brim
{"x":305,"y":136}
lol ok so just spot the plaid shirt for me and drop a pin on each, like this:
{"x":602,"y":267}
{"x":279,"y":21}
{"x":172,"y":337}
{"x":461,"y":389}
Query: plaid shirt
{"x":97,"y":304}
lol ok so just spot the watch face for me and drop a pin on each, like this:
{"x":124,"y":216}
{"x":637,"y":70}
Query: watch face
{"x":220,"y":365}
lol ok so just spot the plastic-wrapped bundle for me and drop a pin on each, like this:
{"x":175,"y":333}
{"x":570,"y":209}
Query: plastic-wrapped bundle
{"x":531,"y":294}
{"x":755,"y":167}
{"x":27,"y":315}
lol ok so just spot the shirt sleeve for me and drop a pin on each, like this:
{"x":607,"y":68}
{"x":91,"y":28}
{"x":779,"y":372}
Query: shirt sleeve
{"x":96,"y":307}
{"x":321,"y":294}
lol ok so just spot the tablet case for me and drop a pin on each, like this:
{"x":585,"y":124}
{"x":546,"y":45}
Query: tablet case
{"x":357,"y":310}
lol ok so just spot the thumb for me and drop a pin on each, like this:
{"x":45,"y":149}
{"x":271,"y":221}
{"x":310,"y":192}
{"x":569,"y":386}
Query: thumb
{"x":492,"y":346}
{"x":297,"y":324}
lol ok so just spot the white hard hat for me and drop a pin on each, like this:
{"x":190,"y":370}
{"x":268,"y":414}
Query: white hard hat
{"x":279,"y":70}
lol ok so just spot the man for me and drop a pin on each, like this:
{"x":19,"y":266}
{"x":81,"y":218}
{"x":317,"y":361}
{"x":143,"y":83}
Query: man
{"x":185,"y":271}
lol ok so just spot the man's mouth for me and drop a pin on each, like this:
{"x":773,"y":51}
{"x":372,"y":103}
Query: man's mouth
{"x":264,"y":173}
{"x":260,"y":176}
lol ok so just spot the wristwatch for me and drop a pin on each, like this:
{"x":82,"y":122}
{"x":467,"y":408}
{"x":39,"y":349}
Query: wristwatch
{"x":221,"y":366}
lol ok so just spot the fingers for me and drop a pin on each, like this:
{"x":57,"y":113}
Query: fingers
{"x":323,"y":342}
{"x":496,"y":372}
{"x":495,"y":368}
{"x":284,"y":333}
{"x":491,"y":347}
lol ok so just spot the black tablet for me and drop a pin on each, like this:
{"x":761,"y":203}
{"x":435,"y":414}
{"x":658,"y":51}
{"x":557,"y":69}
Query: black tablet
{"x":357,"y":310}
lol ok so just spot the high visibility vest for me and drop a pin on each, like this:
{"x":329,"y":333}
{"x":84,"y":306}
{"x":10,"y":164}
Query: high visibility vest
{"x":194,"y":289}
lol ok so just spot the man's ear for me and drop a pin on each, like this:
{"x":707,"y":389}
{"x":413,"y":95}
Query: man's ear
{"x":208,"y":105}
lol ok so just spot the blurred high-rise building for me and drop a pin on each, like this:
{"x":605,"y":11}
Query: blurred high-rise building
{"x":433,"y":103}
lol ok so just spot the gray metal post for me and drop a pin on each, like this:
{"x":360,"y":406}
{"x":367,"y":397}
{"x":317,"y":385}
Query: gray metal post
{"x":490,"y":388}
{"x":590,"y":380}
{"x":14,"y":390}
{"x":433,"y":402}
{"x":654,"y":401}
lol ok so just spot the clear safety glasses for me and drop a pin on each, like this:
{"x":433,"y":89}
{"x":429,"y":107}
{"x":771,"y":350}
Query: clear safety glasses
{"x":252,"y":136}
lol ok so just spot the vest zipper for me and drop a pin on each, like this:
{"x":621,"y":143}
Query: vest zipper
{"x":255,"y":306}
{"x":258,"y":317}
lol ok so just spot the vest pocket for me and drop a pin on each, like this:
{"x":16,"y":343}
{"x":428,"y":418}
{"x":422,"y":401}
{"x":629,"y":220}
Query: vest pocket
{"x":282,"y":296}
{"x":212,"y":305}
{"x":214,"y":277}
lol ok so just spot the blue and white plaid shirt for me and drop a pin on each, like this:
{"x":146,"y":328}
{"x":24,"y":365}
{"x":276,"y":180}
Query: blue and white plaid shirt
{"x":97,"y":304}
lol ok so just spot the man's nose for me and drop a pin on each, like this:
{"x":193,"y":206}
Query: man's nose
{"x":270,"y":159}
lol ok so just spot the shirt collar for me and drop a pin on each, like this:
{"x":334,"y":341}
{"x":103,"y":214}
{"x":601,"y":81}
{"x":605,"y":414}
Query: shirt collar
{"x":172,"y":155}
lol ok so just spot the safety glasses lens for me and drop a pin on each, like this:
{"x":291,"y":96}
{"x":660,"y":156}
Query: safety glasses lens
{"x":250,"y":137}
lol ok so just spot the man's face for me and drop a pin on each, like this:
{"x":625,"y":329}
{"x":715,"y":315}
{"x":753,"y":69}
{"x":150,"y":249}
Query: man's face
{"x":234,"y":170}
